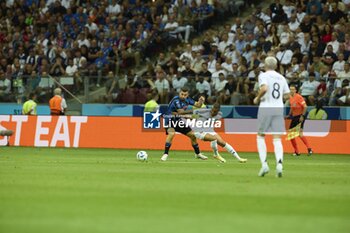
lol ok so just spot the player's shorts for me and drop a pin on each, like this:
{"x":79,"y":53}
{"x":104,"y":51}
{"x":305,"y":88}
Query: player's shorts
{"x":295,"y":122}
{"x":201,"y":135}
{"x":183,"y":130}
{"x":271,"y":124}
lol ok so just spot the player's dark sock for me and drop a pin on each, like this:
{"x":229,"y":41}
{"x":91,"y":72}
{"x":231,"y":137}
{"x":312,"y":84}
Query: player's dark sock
{"x":167,"y":147}
{"x":196,"y":149}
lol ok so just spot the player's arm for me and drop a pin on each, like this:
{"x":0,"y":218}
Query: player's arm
{"x":290,"y":112}
{"x":261,"y":93}
{"x":202,"y":112}
{"x":197,"y":104}
{"x":303,"y":104}
{"x":180,"y":110}
{"x":200,"y":102}
{"x":218,"y":116}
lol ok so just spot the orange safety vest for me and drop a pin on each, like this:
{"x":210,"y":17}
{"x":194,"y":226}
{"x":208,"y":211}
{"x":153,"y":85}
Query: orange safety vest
{"x":55,"y":105}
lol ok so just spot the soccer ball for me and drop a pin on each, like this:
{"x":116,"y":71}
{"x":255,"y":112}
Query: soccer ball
{"x":142,"y":155}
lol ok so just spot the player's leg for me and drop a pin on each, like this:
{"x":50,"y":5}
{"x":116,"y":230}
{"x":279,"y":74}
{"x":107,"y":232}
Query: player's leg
{"x":278,"y":148}
{"x":278,"y":129}
{"x":170,"y":136}
{"x":189,"y":133}
{"x":229,"y":148}
{"x":212,"y":139}
{"x":264,"y":121}
{"x":214,"y":147}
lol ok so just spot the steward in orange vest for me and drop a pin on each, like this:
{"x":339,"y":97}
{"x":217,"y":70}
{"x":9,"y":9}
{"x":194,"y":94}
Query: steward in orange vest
{"x":57,"y":103}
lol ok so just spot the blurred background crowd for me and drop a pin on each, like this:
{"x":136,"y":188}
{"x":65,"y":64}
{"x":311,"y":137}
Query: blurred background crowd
{"x":136,"y":49}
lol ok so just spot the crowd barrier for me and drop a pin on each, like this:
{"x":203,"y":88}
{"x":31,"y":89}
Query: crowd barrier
{"x":128,"y":133}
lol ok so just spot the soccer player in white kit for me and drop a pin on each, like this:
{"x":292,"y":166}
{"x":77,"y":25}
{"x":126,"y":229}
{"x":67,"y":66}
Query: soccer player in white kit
{"x":273,"y":88}
{"x":208,"y":134}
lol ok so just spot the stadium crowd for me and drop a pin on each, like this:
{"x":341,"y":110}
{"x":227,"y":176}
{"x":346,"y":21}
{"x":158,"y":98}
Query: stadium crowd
{"x":112,"y":40}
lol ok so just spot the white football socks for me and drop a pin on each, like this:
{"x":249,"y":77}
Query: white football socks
{"x":230,"y":149}
{"x":214,"y":146}
{"x":277,"y":144}
{"x":262,"y":149}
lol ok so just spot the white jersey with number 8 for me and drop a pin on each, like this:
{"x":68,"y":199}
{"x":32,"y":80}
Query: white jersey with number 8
{"x":276,"y":85}
{"x":270,"y":114}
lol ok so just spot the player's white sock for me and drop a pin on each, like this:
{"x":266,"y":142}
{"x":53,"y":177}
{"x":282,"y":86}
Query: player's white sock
{"x":277,"y":144}
{"x":214,"y":146}
{"x":230,"y":149}
{"x":262,"y":149}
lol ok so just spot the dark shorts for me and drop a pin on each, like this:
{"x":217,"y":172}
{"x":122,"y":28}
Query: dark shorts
{"x":182,"y":130}
{"x":295,"y":122}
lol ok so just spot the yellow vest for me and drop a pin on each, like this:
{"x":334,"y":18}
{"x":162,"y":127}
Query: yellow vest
{"x":151,"y":106}
{"x":203,"y":106}
{"x":321,"y":114}
{"x":27,"y":106}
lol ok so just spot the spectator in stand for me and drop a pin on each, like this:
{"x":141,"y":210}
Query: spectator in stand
{"x":334,"y":43}
{"x":188,"y":72}
{"x":308,"y":88}
{"x":205,"y":72}
{"x":191,"y":85}
{"x":272,"y":37}
{"x":215,"y":75}
{"x":338,"y":66}
{"x":58,"y":68}
{"x":5,"y":87}
{"x":197,"y":62}
{"x":162,"y":85}
{"x":240,"y":43}
{"x":72,"y":71}
{"x":344,"y":74}
{"x":321,"y":93}
{"x":344,"y":94}
{"x":336,"y":15}
{"x":278,"y":14}
{"x":112,"y":88}
{"x":175,"y":29}
{"x":219,"y":89}
{"x":329,"y":57}
{"x":178,"y":82}
{"x":284,"y":56}
{"x":232,"y":95}
{"x":205,"y":15}
{"x":227,"y":65}
{"x":187,"y":55}
{"x":203,"y":87}
{"x":211,"y":63}
{"x":326,"y":34}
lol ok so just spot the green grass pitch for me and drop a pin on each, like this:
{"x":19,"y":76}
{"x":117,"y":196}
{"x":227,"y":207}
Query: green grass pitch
{"x":103,"y":190}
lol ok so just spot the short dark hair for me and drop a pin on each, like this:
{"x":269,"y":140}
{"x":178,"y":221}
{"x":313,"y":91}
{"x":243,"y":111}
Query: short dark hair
{"x":31,"y":95}
{"x":295,"y":86}
{"x":184,"y":89}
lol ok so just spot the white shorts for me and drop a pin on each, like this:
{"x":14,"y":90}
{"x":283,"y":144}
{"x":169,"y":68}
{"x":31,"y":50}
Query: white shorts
{"x":201,"y":135}
{"x":271,"y":124}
